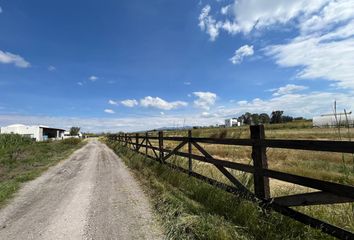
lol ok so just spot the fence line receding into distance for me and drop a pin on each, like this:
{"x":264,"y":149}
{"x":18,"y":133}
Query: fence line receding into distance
{"x":329,"y":192}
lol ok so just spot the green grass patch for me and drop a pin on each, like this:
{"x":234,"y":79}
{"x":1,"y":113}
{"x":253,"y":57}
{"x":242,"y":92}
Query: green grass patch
{"x":22,"y":159}
{"x":191,"y":209}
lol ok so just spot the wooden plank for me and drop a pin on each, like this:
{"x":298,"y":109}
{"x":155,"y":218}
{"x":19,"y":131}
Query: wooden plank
{"x":190,"y":163}
{"x":161,"y":152}
{"x":327,"y":146}
{"x":174,"y":150}
{"x":237,"y":183}
{"x":261,"y":183}
{"x":313,"y":222}
{"x":313,"y":198}
{"x":137,"y":142}
{"x":215,"y":161}
{"x":226,"y":173}
{"x":146,"y":139}
{"x":224,"y":141}
{"x":153,"y":149}
{"x":336,"y":188}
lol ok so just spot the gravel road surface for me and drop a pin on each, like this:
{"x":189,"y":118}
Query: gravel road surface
{"x":90,"y":195}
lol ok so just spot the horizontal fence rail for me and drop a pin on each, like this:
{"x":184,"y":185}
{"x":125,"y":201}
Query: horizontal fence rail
{"x":328,"y":192}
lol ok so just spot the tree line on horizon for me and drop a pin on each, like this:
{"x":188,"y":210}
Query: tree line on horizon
{"x":263,"y":118}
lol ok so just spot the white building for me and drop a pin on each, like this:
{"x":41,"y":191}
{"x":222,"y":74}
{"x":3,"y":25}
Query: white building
{"x":68,"y":135}
{"x":329,"y":120}
{"x":232,"y":122}
{"x":40,"y":133}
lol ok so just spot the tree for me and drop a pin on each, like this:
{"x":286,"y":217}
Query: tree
{"x":264,"y":118}
{"x":245,"y":118}
{"x":74,"y":131}
{"x":255,"y":118}
{"x":287,"y":119}
{"x":276,"y":116}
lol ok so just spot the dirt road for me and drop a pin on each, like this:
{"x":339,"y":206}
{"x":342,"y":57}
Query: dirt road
{"x":91,"y":195}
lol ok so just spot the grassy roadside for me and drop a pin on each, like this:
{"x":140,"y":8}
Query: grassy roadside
{"x":22,"y":160}
{"x":191,"y":209}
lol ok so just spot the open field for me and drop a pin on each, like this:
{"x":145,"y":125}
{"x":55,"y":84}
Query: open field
{"x":22,"y":160}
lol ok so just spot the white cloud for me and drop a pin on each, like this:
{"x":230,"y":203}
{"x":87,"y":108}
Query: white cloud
{"x":247,"y":15}
{"x":323,"y":47}
{"x":159,"y":103}
{"x":110,"y":124}
{"x":187,"y":83}
{"x":208,"y":24}
{"x":242,"y":52}
{"x":209,"y":115}
{"x":51,"y":68}
{"x":204,"y":99}
{"x":306,"y":105}
{"x":0,"y":9}
{"x":112,"y":102}
{"x":130,"y":102}
{"x":93,"y":78}
{"x":110,"y":111}
{"x":10,"y":58}
{"x":80,"y":83}
{"x":287,"y":89}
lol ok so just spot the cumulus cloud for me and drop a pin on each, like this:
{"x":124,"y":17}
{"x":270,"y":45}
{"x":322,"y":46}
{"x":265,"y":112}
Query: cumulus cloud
{"x":323,"y":48}
{"x":10,"y":58}
{"x":330,"y":56}
{"x":247,"y":15}
{"x":110,"y":111}
{"x":287,"y":89}
{"x":159,"y":103}
{"x":129,"y":102}
{"x":93,"y":78}
{"x":112,"y":102}
{"x":204,"y":99}
{"x":242,"y":52}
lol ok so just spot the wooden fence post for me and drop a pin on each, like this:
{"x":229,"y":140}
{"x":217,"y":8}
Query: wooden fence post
{"x":126,"y":139}
{"x":137,"y":142}
{"x":161,"y":146}
{"x":261,"y":183}
{"x":146,"y":143}
{"x":190,"y":151}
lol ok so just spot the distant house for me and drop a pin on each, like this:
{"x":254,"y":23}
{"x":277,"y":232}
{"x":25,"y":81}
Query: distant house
{"x":39,"y":133}
{"x":330,"y":120}
{"x":68,"y":135}
{"x":232,"y":122}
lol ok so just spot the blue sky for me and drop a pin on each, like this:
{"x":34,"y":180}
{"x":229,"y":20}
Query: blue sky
{"x":136,"y":65}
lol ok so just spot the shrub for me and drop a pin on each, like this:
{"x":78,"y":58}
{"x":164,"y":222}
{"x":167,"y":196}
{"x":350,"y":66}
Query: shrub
{"x":13,"y":140}
{"x":71,"y":141}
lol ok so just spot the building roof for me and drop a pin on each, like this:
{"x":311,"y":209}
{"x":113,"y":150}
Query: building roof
{"x":40,"y":126}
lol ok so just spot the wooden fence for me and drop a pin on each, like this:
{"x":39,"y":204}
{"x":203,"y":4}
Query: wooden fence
{"x":329,"y":192}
